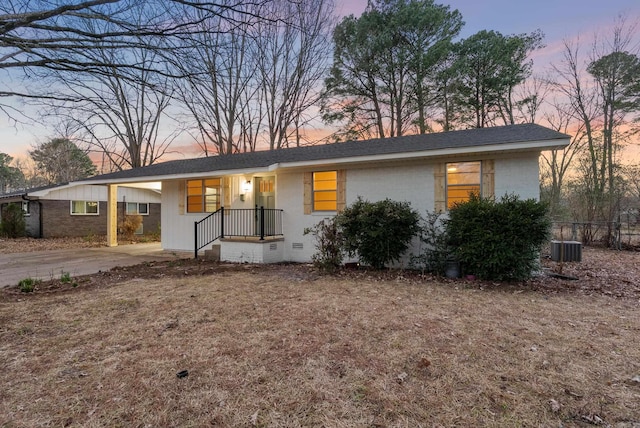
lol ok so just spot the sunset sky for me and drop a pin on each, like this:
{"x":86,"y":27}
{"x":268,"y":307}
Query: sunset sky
{"x":558,"y":20}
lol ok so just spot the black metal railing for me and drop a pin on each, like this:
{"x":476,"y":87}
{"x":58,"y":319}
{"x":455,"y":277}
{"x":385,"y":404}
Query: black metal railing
{"x":257,"y":222}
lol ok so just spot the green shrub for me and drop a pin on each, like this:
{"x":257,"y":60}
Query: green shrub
{"x":65,"y":277}
{"x":498,"y":240}
{"x":378,"y":232}
{"x":434,"y":252}
{"x":328,"y":237}
{"x":13,"y":224}
{"x":27,"y":285}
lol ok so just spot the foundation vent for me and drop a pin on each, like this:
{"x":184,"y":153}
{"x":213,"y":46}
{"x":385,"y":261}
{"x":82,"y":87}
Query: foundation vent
{"x":273,"y":246}
{"x":297,"y":246}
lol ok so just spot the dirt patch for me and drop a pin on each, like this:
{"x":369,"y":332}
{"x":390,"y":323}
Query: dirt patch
{"x":602,"y":272}
{"x":28,"y":245}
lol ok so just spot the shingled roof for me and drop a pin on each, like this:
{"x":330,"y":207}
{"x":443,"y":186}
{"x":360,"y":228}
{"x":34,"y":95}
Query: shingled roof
{"x":472,"y":138}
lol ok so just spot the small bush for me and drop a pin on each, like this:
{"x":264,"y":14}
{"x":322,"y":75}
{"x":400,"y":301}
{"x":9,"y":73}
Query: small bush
{"x":378,"y":232}
{"x":329,"y":255}
{"x":65,"y":277}
{"x":435,"y":251}
{"x":13,"y":224}
{"x":130,"y":224}
{"x":27,"y":285}
{"x":498,"y":240}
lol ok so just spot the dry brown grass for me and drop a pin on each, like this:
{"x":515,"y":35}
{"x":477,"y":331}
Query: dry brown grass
{"x":282,"y":347}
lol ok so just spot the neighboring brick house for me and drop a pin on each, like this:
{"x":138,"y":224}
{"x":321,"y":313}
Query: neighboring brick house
{"x":254,"y":207}
{"x":80,"y":209}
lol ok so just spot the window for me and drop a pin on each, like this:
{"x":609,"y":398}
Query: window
{"x":325,"y":191}
{"x":140,"y":208}
{"x":26,"y":208}
{"x":84,"y":208}
{"x":463,"y":178}
{"x":203,"y":196}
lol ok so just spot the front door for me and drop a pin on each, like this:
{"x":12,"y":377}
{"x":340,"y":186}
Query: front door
{"x":265,"y":197}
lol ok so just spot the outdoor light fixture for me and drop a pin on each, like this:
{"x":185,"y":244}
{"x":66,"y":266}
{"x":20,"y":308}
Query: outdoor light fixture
{"x":246,"y":188}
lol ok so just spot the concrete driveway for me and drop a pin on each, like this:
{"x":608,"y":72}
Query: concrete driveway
{"x":81,"y":261}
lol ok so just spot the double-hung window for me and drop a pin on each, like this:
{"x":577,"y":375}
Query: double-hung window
{"x":325,"y":191}
{"x":463,"y":178}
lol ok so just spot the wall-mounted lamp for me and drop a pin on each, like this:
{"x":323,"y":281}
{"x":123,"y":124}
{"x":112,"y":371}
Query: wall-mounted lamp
{"x":246,"y":188}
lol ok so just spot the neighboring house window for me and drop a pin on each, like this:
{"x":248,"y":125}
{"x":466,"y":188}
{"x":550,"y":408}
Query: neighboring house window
{"x":84,"y":207}
{"x":203,"y":196}
{"x":25,"y":208}
{"x":140,"y":208}
{"x":463,"y":178}
{"x":325,"y":191}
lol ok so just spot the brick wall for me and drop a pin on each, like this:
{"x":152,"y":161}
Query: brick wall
{"x":57,"y":220}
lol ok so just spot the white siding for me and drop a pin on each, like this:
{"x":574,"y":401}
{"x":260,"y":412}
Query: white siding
{"x":519,"y":174}
{"x":177,"y":229}
{"x":87,"y":192}
{"x":410,"y":181}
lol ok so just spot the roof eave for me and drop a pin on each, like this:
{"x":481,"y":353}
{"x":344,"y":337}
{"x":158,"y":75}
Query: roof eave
{"x":536,"y":145}
{"x":539,"y":146}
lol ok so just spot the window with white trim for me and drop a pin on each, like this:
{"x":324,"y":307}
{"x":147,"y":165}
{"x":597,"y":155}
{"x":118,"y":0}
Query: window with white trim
{"x":137,"y":208}
{"x":84,"y":208}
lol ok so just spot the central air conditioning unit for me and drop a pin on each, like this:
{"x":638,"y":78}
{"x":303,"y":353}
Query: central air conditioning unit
{"x":566,"y":251}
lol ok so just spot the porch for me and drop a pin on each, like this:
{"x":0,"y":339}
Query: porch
{"x":243,"y":231}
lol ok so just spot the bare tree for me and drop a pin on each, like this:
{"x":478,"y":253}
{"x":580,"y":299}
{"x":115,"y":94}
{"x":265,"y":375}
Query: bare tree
{"x":103,"y":64}
{"x":556,"y":164}
{"x":291,"y":54}
{"x":598,"y":92}
{"x":217,"y":88}
{"x":254,"y":83}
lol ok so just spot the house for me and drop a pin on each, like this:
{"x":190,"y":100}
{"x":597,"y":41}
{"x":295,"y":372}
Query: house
{"x":77,"y":209}
{"x":255,"y":206}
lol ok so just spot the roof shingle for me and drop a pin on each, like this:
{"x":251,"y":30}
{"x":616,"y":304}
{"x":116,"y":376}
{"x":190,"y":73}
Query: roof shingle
{"x":380,"y":146}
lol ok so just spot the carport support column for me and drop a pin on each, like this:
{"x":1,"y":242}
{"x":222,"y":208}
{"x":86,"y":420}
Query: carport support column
{"x":112,"y":215}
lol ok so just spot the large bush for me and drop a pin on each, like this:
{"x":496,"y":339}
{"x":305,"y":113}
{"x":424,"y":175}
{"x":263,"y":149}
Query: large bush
{"x":12,"y":224}
{"x":498,"y":240}
{"x":378,"y":232}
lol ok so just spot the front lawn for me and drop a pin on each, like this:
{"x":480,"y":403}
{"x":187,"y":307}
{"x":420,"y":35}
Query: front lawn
{"x":283,"y":347}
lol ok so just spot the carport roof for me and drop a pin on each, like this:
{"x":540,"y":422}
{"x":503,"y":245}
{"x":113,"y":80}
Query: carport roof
{"x":387,"y":147}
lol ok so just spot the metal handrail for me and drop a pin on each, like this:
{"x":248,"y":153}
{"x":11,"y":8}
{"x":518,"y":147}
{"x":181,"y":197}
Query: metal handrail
{"x":248,"y":222}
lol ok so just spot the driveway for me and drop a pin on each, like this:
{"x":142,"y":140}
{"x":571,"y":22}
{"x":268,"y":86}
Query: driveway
{"x":81,"y":261}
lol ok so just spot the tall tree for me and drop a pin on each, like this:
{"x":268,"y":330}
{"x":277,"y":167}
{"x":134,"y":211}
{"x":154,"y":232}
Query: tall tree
{"x":380,"y":83}
{"x":11,"y":178}
{"x":60,"y":161}
{"x":489,"y":68}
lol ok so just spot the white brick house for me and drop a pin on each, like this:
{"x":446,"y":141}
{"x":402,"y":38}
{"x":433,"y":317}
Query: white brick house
{"x":300,"y":186}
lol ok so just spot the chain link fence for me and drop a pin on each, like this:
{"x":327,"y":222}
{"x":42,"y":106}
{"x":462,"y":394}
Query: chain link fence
{"x":623,"y":233}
